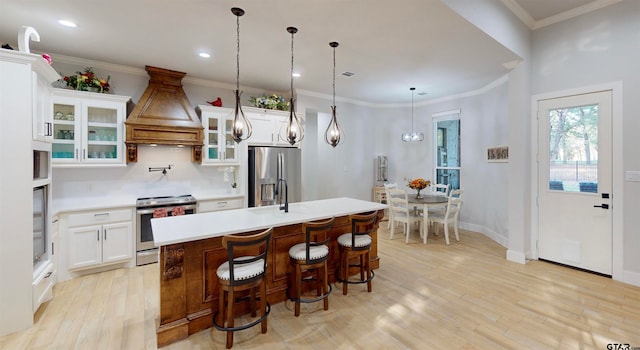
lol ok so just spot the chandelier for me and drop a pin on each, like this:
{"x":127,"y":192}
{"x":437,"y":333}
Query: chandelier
{"x":412,"y":136}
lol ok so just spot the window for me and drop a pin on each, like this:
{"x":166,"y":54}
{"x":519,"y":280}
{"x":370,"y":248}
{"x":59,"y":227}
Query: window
{"x":446,"y":146}
{"x":573,"y":149}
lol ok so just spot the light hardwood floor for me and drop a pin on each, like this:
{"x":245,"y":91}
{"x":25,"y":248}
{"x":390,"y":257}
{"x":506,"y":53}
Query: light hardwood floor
{"x":463,"y":296}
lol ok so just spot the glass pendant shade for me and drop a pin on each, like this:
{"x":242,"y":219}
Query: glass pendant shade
{"x":240,"y":127}
{"x":294,"y":131}
{"x":333,"y":132}
{"x":412,"y":136}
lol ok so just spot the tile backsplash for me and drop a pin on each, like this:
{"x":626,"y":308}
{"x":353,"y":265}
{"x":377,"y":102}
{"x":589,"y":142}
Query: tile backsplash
{"x":184,"y":177}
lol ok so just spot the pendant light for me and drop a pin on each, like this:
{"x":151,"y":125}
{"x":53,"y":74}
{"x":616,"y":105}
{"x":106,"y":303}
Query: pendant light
{"x":240,"y":127}
{"x":412,"y":136}
{"x":293,"y":132}
{"x":332,"y":134}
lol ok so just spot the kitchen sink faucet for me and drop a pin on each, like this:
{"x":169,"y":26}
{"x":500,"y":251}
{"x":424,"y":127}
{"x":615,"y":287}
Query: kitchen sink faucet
{"x":284,"y":207}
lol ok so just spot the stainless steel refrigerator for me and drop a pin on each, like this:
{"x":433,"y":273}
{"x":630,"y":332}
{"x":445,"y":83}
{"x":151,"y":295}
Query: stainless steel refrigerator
{"x":267,"y":165}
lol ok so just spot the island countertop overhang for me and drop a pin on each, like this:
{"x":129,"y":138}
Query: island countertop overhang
{"x":187,"y":228}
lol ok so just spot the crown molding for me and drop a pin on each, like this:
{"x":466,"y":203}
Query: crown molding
{"x":530,"y":22}
{"x":575,"y":12}
{"x":521,"y":13}
{"x":215,"y":84}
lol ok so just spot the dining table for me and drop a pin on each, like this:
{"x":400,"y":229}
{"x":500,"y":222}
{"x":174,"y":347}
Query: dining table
{"x":425,"y":202}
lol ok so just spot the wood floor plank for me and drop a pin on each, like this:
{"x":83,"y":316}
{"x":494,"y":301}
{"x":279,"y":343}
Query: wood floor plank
{"x":434,"y":296}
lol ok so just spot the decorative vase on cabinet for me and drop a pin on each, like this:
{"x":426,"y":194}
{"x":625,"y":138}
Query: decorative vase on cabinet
{"x":88,"y":128}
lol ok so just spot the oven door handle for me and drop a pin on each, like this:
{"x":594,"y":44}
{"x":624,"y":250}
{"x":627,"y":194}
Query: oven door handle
{"x":150,"y":211}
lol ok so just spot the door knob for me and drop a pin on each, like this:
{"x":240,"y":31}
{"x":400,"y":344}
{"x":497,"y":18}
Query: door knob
{"x":603,"y":206}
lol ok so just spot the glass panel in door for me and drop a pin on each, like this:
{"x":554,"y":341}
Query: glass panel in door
{"x":229,"y":150}
{"x":573,"y":149}
{"x":212,"y":135}
{"x":102,"y":133}
{"x":63,"y":131}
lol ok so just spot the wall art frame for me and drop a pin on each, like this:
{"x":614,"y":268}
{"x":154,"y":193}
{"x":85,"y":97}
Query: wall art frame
{"x":498,"y":154}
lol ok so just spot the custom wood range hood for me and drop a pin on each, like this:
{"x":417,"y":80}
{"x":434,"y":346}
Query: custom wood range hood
{"x":163,"y":116}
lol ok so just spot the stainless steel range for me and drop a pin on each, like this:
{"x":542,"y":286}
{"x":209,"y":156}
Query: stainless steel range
{"x":155,"y":207}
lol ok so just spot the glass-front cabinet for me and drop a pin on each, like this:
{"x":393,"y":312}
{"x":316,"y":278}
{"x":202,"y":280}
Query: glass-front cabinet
{"x":219,"y":146}
{"x":88,"y":128}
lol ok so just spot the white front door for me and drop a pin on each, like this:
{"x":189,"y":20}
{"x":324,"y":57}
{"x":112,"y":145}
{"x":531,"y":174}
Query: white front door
{"x":574,"y":174}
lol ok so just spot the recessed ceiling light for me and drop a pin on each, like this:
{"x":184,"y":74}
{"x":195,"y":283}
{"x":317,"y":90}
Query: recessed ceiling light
{"x":348,"y":74}
{"x":296,"y":75}
{"x":204,"y":55}
{"x":66,"y":23}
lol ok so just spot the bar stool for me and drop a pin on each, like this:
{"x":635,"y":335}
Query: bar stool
{"x":245,"y":270}
{"x":357,"y":243}
{"x":311,"y":256}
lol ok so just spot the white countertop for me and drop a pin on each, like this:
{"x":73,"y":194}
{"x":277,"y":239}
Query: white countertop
{"x":178,"y":229}
{"x":60,"y":206}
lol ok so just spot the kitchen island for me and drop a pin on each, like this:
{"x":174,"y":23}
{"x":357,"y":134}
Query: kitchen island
{"x":191,"y":250}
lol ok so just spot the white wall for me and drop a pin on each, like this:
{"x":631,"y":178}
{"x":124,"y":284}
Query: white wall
{"x":597,"y":48}
{"x":371,"y":131}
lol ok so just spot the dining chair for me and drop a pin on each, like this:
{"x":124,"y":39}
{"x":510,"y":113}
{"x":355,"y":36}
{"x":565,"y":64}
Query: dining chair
{"x":401,"y":213}
{"x":386,"y":190}
{"x":450,"y":215}
{"x":440,"y":189}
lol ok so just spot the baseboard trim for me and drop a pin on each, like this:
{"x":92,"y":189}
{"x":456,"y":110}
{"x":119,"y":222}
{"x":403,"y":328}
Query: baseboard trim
{"x":514,"y":256}
{"x":630,"y":277}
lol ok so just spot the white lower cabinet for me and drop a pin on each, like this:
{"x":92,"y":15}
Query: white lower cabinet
{"x":100,"y":238}
{"x":43,"y":286}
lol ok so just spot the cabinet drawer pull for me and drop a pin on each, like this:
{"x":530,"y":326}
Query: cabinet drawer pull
{"x":98,"y":235}
{"x":101,"y":214}
{"x":48,"y":274}
{"x":222,"y":204}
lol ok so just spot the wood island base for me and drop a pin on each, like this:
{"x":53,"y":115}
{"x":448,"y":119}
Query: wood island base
{"x":189,"y":285}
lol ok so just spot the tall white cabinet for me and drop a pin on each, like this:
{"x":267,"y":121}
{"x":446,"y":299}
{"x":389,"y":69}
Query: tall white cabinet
{"x":24,"y":99}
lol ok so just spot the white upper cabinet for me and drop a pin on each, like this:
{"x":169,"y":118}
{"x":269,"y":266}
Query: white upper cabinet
{"x":267,"y":126}
{"x":42,"y":117}
{"x":88,"y":128}
{"x":219,"y":146}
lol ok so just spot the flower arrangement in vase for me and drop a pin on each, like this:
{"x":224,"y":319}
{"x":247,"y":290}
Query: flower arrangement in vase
{"x":418,"y":184}
{"x":87,"y":81}
{"x":272,"y":101}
